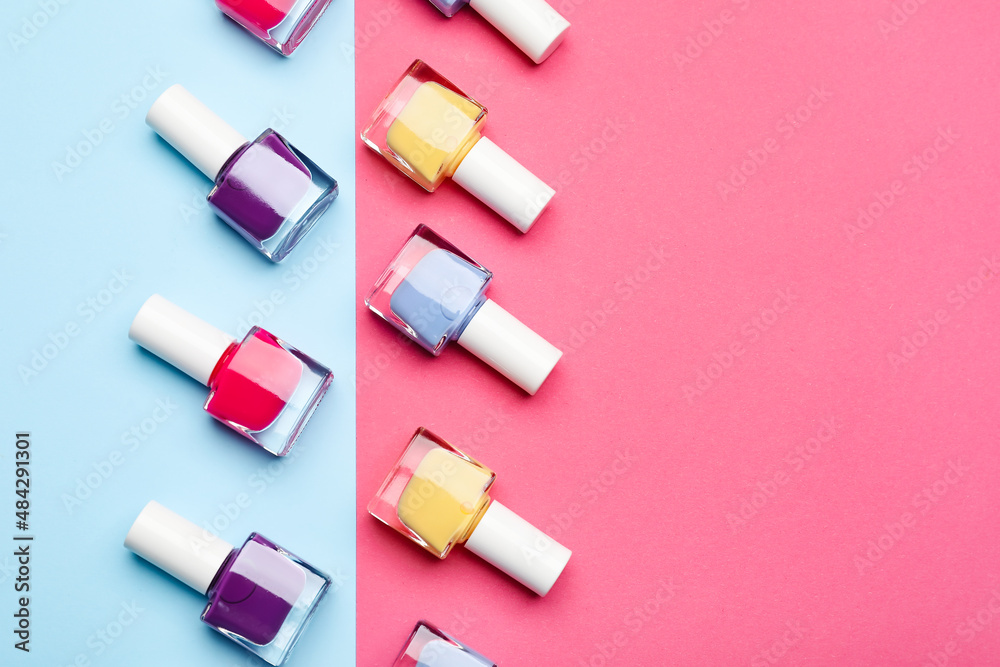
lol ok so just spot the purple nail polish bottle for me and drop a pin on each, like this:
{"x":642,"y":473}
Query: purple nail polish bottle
{"x":259,"y":595}
{"x":266,"y":190}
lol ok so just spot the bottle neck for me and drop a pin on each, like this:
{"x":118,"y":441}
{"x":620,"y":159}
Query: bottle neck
{"x":463,"y":150}
{"x":471,"y":528}
{"x":218,"y":575}
{"x":222,"y":363}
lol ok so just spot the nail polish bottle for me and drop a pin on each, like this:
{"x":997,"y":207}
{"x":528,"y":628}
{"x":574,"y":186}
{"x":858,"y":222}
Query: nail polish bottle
{"x":434,"y":293}
{"x":260,"y":596}
{"x":429,"y":646}
{"x":429,"y":130}
{"x":438,"y":497}
{"x":266,"y":189}
{"x":281,"y":24}
{"x":261,"y":387}
{"x":532,"y":25}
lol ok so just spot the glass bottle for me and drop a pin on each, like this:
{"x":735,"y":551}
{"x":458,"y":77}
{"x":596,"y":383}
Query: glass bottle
{"x":429,"y":646}
{"x":430,"y":130}
{"x":261,"y":387}
{"x":434,"y":293}
{"x":260,"y":595}
{"x":281,"y":24}
{"x":265,"y":189}
{"x":438,"y":497}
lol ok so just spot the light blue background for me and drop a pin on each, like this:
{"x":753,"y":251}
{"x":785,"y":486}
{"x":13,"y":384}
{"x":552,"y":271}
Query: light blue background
{"x":133,"y":205}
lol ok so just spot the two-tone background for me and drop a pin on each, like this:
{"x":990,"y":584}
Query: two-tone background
{"x":772,"y":263}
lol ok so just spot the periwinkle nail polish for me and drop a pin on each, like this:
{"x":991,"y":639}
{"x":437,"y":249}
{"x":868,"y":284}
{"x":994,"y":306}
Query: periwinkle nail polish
{"x":281,"y":24}
{"x":265,"y":189}
{"x":260,"y":595}
{"x":439,"y":497}
{"x":429,"y":129}
{"x":429,"y":646}
{"x":532,"y":25}
{"x":261,"y":387}
{"x":434,"y":293}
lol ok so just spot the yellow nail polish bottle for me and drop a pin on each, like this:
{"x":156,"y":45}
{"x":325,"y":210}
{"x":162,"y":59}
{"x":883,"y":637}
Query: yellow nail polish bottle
{"x":438,"y":497}
{"x":430,"y":130}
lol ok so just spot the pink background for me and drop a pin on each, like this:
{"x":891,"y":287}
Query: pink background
{"x":742,"y":529}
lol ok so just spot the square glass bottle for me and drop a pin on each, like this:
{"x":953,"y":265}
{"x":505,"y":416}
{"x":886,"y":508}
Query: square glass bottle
{"x":281,"y":24}
{"x":429,"y":646}
{"x":430,"y":130}
{"x":260,"y":595}
{"x":434,"y":293}
{"x":438,"y":497}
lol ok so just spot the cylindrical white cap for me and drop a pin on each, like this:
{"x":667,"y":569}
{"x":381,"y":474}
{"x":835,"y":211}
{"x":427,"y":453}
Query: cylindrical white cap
{"x":194,"y":130}
{"x":533,"y":25}
{"x":501,"y":183}
{"x":175,"y":335}
{"x":506,"y":344}
{"x":177,"y":546}
{"x":513,"y":545}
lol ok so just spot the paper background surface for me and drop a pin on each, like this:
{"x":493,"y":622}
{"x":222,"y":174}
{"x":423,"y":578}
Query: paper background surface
{"x":647,"y":276}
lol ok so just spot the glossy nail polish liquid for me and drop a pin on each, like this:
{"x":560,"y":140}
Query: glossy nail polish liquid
{"x":261,"y":387}
{"x":260,"y":596}
{"x":429,"y":646}
{"x":435,"y":294}
{"x":266,"y":189}
{"x":269,"y":192}
{"x":430,"y":130}
{"x":439,"y":497}
{"x":281,"y":24}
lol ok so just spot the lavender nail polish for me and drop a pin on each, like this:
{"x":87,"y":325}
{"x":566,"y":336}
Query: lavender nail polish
{"x":266,"y":190}
{"x":259,"y":595}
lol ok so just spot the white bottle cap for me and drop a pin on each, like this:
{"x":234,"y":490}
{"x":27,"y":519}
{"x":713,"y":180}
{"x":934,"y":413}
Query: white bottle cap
{"x":176,"y":336}
{"x":501,"y":183}
{"x":177,"y":546}
{"x":194,"y":130}
{"x":506,"y":344}
{"x":513,"y":545}
{"x":533,"y":25}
